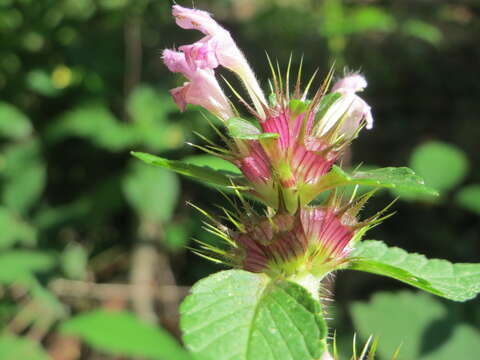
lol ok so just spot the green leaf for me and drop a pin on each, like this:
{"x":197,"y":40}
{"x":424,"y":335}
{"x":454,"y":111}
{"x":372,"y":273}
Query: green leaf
{"x":200,"y":173}
{"x":459,"y":282}
{"x":442,"y":165}
{"x":153,"y":193}
{"x":238,"y":315}
{"x":419,"y":323}
{"x":213,"y":162}
{"x":24,"y":176}
{"x":121,"y":333}
{"x":469,"y":198}
{"x":401,"y":178}
{"x":245,"y":130}
{"x":14,"y":230}
{"x":13,"y":123}
{"x":16,"y":348}
{"x":19,"y":265}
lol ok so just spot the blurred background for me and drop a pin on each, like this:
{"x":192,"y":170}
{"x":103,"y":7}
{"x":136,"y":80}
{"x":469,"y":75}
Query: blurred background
{"x":93,"y":243}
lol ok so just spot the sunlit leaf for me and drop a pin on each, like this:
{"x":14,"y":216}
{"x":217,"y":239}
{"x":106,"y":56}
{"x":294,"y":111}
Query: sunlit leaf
{"x":459,"y":282}
{"x":240,"y":315}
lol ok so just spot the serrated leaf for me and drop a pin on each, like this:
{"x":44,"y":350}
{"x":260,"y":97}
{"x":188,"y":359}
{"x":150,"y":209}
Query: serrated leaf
{"x":245,"y":130}
{"x":15,"y":348}
{"x":238,"y":315}
{"x":401,"y":178}
{"x":123,"y":334}
{"x":200,"y":173}
{"x":420,"y":323}
{"x":13,"y":123}
{"x":153,"y":193}
{"x":459,"y":282}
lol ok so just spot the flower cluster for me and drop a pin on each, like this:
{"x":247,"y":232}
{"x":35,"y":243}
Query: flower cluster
{"x":283,"y":157}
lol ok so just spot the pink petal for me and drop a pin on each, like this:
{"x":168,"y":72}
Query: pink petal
{"x":200,"y":20}
{"x":351,"y":83}
{"x":201,"y":54}
{"x":179,"y":95}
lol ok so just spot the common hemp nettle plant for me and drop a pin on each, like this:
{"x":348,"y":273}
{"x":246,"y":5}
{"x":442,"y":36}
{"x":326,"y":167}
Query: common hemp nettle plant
{"x":280,"y":239}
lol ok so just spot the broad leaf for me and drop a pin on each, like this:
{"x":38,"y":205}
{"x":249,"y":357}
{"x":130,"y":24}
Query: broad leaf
{"x":421,"y":324}
{"x":123,"y":334}
{"x":237,"y":315}
{"x":457,"y":282}
{"x":401,"y":178}
{"x":200,"y":173}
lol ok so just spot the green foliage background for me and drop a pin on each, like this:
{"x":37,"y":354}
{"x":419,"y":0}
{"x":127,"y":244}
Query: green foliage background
{"x":87,"y":230}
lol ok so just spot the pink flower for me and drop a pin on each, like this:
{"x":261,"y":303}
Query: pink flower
{"x":202,"y":89}
{"x":317,"y":237}
{"x":217,"y":47}
{"x":349,"y":108}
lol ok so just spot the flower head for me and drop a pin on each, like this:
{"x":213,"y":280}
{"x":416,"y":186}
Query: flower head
{"x":315,"y":240}
{"x":298,"y":141}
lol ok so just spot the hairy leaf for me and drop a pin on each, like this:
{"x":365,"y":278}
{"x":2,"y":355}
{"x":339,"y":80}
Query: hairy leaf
{"x":459,"y":282}
{"x":237,"y":315}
